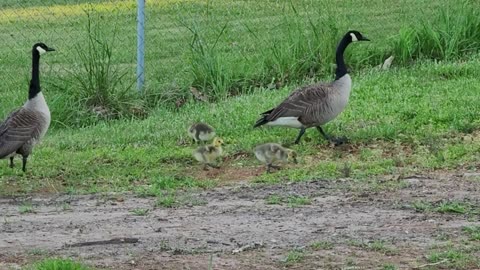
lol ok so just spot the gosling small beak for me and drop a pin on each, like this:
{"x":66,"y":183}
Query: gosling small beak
{"x":295,"y":161}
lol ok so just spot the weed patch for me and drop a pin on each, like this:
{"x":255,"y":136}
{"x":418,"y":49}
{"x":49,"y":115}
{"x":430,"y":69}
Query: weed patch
{"x":57,"y":264}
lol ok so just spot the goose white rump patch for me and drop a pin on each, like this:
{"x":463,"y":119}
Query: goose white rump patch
{"x":290,"y":121}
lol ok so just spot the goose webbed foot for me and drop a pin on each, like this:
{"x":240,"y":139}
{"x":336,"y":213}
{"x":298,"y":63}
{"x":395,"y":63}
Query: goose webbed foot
{"x":335,"y":141}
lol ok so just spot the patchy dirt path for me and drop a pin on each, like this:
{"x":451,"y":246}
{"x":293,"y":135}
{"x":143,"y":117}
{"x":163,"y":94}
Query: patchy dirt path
{"x":235,"y":227}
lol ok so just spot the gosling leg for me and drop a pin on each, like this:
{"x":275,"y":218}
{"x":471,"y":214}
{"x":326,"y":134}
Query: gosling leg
{"x":271,"y":166}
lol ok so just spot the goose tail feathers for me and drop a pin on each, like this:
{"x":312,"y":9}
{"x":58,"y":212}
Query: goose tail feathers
{"x":263,"y":120}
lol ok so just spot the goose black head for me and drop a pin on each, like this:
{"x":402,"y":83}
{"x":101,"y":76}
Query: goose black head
{"x":42,"y":48}
{"x":356,"y":36}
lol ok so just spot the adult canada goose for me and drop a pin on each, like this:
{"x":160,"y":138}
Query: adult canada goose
{"x":25,"y":126}
{"x":315,"y":105}
{"x":209,"y":153}
{"x":269,"y":153}
{"x":201,"y":132}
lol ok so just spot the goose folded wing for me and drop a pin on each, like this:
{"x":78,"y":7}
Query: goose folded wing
{"x":17,"y":129}
{"x":300,"y":102}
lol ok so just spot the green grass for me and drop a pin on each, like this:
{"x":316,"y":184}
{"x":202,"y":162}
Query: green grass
{"x":273,"y":199}
{"x":140,"y":212}
{"x":473,"y":232}
{"x":224,"y":49}
{"x":149,"y":155}
{"x":57,"y":264}
{"x":461,"y":252}
{"x":294,"y":256}
{"x":376,"y":245}
{"x":26,"y":208}
{"x":66,"y":207}
{"x":291,"y":200}
{"x":455,"y":258}
{"x":167,"y":200}
{"x":412,"y":118}
{"x":38,"y":252}
{"x":445,"y":207}
{"x":389,"y":267}
{"x":170,"y":199}
{"x":451,"y":34}
{"x":99,"y":85}
{"x":321,"y":245}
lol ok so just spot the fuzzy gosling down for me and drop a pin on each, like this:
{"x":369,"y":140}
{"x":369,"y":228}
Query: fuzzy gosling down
{"x":209,"y":153}
{"x":201,"y":132}
{"x":269,"y":153}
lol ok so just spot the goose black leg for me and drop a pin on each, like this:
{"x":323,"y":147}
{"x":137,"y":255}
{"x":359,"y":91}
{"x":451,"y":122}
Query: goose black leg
{"x":335,"y":141}
{"x":11,"y":162}
{"x":300,"y":134}
{"x":24,"y":166}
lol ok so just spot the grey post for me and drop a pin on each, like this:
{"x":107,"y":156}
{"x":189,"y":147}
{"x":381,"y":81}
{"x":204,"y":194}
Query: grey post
{"x":140,"y":44}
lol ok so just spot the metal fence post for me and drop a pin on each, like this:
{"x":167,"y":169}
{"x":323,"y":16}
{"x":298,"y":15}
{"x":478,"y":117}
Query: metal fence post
{"x":140,"y":44}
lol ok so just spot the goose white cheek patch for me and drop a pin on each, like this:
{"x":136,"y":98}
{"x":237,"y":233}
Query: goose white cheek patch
{"x":354,"y":37}
{"x":41,"y":50}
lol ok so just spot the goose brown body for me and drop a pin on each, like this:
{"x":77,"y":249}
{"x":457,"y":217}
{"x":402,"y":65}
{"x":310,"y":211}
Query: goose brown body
{"x":21,"y":131}
{"x":24,"y":127}
{"x":317,"y":104}
{"x":312,"y":105}
{"x":201,"y":132}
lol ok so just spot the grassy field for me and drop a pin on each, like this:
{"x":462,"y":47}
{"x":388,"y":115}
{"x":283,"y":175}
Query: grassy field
{"x":398,"y":121}
{"x":246,"y":45}
{"x":417,"y":117}
{"x":420,"y":117}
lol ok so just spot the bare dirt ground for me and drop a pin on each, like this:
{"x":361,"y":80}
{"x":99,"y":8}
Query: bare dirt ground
{"x":234,"y":227}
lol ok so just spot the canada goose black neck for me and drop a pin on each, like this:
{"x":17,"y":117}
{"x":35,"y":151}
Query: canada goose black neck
{"x":35,"y":81}
{"x":341,"y":68}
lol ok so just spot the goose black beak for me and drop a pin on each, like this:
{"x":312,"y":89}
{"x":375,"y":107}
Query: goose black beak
{"x":365,"y":39}
{"x":50,"y":49}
